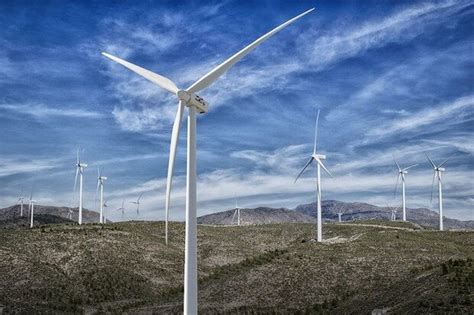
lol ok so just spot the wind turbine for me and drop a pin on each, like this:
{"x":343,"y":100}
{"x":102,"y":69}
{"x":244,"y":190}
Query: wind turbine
{"x":190,"y":99}
{"x":401,"y":174}
{"x":236,"y":212}
{"x":437,"y":175}
{"x":79,"y":170}
{"x":105,"y":206}
{"x":100,"y":185}
{"x":340,"y":212}
{"x":318,"y":158}
{"x":31,"y":208}
{"x":122,"y":207}
{"x":70,"y":213}
{"x":21,"y":199}
{"x":137,"y":203}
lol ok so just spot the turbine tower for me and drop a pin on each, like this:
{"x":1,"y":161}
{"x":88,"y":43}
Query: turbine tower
{"x":105,"y":206}
{"x":31,"y":208}
{"x":437,"y":175}
{"x":190,"y":99}
{"x":21,"y":199}
{"x":79,"y":170}
{"x":401,"y":175}
{"x":100,"y":185}
{"x":137,"y":203}
{"x":318,"y":158}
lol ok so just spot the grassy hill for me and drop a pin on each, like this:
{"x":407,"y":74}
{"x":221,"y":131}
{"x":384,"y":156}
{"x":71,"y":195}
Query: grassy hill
{"x":275,"y":268}
{"x":260,"y":215}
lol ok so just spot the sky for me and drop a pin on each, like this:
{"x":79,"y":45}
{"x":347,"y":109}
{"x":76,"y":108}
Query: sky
{"x":391,"y":79}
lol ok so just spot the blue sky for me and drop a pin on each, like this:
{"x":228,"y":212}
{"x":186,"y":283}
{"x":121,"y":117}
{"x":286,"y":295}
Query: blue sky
{"x":389,"y":78}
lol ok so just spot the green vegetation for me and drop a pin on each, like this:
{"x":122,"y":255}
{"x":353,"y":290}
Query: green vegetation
{"x":266,"y":269}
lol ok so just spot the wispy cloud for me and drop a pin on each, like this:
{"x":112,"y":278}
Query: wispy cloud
{"x":427,"y":117}
{"x":400,"y":26}
{"x":42,"y":111}
{"x":15,"y":165}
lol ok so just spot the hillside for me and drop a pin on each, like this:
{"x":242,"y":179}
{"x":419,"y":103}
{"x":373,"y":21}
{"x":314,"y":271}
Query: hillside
{"x":261,"y":215}
{"x":126,"y":267}
{"x":364,"y":211}
{"x":12,"y":212}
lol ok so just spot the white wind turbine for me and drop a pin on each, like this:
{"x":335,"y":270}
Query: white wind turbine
{"x":190,"y":99}
{"x":105,"y":206}
{"x":70,"y":213}
{"x":31,"y":208}
{"x":100,"y":185}
{"x":21,"y":199}
{"x":137,"y":203}
{"x":318,"y":158}
{"x":122,"y":208}
{"x":79,"y":170}
{"x":236,"y":212}
{"x":340,"y":212}
{"x":401,"y":175}
{"x":437,"y":175}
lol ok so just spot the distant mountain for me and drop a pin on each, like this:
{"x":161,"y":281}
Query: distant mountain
{"x":261,"y":215}
{"x":10,"y":213}
{"x":365,"y":211}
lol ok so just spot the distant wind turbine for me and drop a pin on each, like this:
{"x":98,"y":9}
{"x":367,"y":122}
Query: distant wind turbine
{"x":190,"y":99}
{"x":100,"y":185}
{"x":340,"y":212}
{"x":401,"y":175}
{"x":31,"y":208}
{"x":21,"y":199}
{"x":122,"y":208}
{"x":318,"y":158}
{"x":137,"y":203}
{"x":236,"y":212}
{"x":70,"y":213}
{"x":437,"y":175}
{"x":79,"y":170}
{"x":105,"y":216}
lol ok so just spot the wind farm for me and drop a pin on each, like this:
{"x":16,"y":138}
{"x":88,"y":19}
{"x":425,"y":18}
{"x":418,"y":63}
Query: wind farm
{"x":155,"y":231}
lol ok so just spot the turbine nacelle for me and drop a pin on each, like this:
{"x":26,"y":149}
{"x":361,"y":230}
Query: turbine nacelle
{"x":440,"y":169}
{"x":191,"y":99}
{"x":318,"y":156}
{"x":81,"y":165}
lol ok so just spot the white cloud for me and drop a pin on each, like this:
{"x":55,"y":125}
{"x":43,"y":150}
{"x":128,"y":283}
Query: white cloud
{"x":426,"y":117}
{"x":42,"y":111}
{"x":17,"y":165}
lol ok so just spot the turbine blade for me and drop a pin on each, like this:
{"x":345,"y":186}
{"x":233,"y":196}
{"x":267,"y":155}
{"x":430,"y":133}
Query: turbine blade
{"x":407,"y":168}
{"x":432,"y":186}
{"x":159,"y":80}
{"x":215,"y":73}
{"x":324,"y":167}
{"x":396,"y":185}
{"x":172,"y":158}
{"x":306,"y":165}
{"x":398,"y":166}
{"x":431,"y":162}
{"x":75,"y":179}
{"x":233,"y":217}
{"x":449,"y":158}
{"x":316,"y":133}
{"x":78,"y":160}
{"x":138,"y":200}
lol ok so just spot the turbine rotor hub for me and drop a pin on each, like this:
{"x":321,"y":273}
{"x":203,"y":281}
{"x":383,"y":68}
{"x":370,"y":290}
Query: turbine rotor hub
{"x":191,"y":99}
